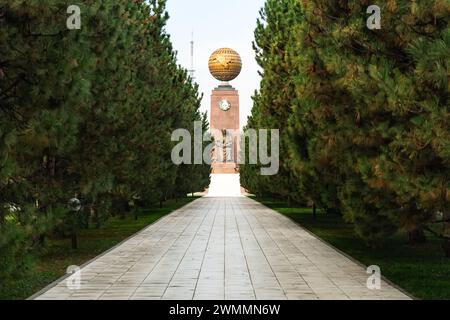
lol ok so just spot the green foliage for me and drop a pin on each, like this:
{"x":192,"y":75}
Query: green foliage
{"x":86,"y":113}
{"x":365,"y":113}
{"x":272,"y":104}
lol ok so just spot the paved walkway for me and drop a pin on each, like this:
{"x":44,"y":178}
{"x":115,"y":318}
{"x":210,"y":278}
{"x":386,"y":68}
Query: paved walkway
{"x":223,"y":248}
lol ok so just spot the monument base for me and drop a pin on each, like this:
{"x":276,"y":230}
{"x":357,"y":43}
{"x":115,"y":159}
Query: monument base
{"x":225,"y":185}
{"x":224,"y":168}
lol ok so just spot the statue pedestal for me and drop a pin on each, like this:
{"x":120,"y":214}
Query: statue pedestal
{"x":225,"y":185}
{"x":225,"y":120}
{"x":225,"y":168}
{"x":225,"y":181}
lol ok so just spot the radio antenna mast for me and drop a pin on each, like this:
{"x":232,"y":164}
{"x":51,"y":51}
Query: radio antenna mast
{"x":192,"y":70}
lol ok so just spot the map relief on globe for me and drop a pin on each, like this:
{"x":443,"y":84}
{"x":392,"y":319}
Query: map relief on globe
{"x":225,"y":64}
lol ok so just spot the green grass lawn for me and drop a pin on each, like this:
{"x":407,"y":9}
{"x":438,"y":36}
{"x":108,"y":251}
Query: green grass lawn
{"x":58,"y":255}
{"x":421,"y":270}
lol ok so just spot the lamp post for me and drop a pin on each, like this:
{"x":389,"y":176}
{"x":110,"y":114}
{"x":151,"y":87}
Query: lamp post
{"x":74,"y":206}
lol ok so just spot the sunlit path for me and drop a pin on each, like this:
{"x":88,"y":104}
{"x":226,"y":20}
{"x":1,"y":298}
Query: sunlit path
{"x":223,"y":248}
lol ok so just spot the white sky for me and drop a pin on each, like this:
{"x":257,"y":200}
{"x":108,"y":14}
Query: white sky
{"x":217,"y":24}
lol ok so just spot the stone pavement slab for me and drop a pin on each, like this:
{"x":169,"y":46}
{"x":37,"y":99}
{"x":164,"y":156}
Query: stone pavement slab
{"x":224,"y":249}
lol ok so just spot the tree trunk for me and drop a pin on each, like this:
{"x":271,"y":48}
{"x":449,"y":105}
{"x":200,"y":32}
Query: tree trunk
{"x":446,"y":244}
{"x":446,"y":247}
{"x":314,"y":211}
{"x":2,"y":216}
{"x":52,"y":166}
{"x":74,"y":239}
{"x":87,"y":222}
{"x":95,"y":217}
{"x":416,"y":237}
{"x":41,"y":240}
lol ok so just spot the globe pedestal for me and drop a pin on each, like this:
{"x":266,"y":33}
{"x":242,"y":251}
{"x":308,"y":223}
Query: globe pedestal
{"x":225,"y":122}
{"x":225,"y":179}
{"x":225,"y":185}
{"x":225,"y":65}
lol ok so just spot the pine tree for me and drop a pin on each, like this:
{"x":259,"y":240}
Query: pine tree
{"x":40,"y":90}
{"x":250,"y":174}
{"x":362,"y":98}
{"x":85,"y":113}
{"x":333,"y":140}
{"x":415,"y":165}
{"x":366,"y":110}
{"x":273,"y":102}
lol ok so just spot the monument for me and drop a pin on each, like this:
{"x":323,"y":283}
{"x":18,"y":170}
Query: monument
{"x":225,"y":65}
